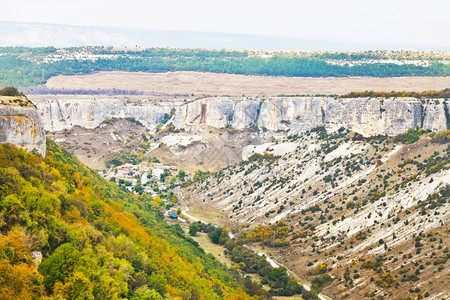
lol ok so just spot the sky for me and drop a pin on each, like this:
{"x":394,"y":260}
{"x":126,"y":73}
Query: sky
{"x":410,"y":22}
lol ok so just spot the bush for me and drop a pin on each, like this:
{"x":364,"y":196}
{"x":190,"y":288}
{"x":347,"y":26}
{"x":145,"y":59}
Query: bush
{"x":442,"y":137}
{"x":10,"y":91}
{"x":194,"y":228}
{"x":219,"y":236}
{"x":320,"y":281}
{"x":408,"y":137}
{"x":115,"y":161}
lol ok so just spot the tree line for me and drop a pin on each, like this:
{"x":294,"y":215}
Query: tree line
{"x":16,"y":70}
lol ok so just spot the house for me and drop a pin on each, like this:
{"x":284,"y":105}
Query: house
{"x":173,"y":216}
{"x":144,"y":179}
{"x":156,"y":173}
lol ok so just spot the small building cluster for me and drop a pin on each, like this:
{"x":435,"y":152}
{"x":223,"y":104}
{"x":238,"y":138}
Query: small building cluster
{"x":145,"y":179}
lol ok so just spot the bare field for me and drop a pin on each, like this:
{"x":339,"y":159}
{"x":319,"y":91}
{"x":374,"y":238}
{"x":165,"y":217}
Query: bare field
{"x":237,"y":85}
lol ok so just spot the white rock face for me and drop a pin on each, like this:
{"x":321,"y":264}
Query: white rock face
{"x":294,"y":114}
{"x":362,"y":115}
{"x":22,"y":126}
{"x":434,"y":116}
{"x":217,"y":112}
{"x":63,"y":114}
{"x":401,"y":115}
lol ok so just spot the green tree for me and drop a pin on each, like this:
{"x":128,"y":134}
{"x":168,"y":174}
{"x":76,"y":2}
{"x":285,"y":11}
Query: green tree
{"x":10,"y":91}
{"x":181,"y":175}
{"x":60,"y":265}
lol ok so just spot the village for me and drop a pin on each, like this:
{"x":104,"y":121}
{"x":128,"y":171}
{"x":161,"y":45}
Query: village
{"x":147,"y":179}
{"x":156,"y":180}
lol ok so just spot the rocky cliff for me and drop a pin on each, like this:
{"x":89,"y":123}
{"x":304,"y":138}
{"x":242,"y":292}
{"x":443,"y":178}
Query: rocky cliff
{"x":218,"y":112}
{"x":365,"y":116}
{"x":61,"y":114}
{"x":297,"y":114}
{"x":293,"y":114}
{"x":20,"y":124}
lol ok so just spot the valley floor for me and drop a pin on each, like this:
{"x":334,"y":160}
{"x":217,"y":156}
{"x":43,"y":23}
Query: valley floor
{"x":199,"y":83}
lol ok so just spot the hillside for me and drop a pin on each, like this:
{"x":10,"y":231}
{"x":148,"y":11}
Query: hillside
{"x":210,"y":133}
{"x":372,"y":213}
{"x":33,"y":66}
{"x":95,"y":240}
{"x":348,"y":193}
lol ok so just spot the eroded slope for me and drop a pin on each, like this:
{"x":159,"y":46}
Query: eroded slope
{"x":371,"y":212}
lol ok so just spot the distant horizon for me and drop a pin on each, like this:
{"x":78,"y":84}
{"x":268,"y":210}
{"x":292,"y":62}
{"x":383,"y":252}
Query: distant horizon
{"x":33,"y":34}
{"x":409,"y":23}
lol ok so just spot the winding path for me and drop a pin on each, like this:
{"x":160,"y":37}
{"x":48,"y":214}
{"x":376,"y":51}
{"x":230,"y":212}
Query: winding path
{"x":306,"y":285}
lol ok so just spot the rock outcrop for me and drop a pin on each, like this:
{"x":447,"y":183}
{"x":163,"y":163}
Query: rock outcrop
{"x":218,"y":112}
{"x":294,"y":114}
{"x":20,"y":124}
{"x":61,"y":114}
{"x":362,"y":115}
{"x":434,"y":117}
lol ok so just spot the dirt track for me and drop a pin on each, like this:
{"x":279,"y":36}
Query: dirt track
{"x":238,"y":85}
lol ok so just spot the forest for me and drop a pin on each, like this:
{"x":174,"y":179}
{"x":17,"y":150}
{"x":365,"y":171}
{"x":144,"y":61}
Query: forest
{"x":96,"y":241}
{"x":19,"y":66}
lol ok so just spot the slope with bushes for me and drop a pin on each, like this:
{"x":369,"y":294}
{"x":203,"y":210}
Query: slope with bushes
{"x":97,"y":242}
{"x":357,"y":217}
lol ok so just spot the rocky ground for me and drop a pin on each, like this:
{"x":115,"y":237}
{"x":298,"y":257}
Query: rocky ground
{"x":371,"y":212}
{"x":205,"y":148}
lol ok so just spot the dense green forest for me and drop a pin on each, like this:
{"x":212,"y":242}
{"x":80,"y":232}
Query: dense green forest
{"x":97,"y":241}
{"x":20,"y":66}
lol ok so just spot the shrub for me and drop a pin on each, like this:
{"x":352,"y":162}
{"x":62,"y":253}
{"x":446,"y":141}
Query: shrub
{"x":408,"y":137}
{"x":10,"y":91}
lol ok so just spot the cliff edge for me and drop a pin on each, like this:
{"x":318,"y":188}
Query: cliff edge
{"x":21,"y":125}
{"x":367,"y":116}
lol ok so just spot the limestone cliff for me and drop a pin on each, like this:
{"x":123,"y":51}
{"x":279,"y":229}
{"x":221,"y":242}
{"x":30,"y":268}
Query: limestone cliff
{"x":434,"y":117}
{"x":218,"y":112}
{"x":365,"y":116}
{"x":60,"y":114}
{"x":294,"y":114}
{"x":20,"y":124}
